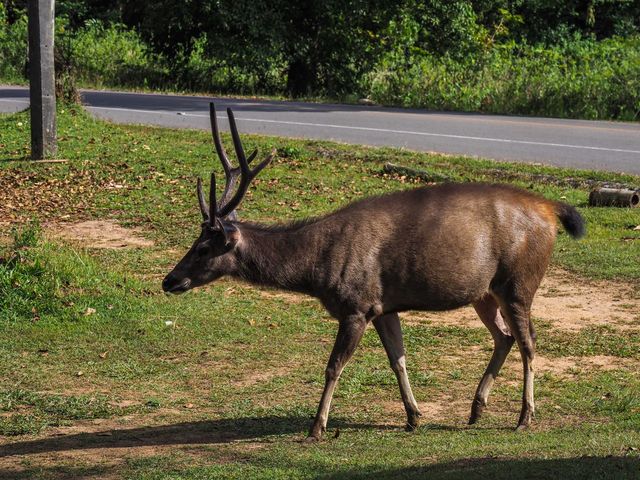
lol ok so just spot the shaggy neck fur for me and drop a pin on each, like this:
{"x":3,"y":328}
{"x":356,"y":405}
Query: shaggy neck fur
{"x":279,"y":256}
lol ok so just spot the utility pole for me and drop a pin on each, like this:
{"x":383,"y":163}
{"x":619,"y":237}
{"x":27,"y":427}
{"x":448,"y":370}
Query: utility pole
{"x":42,"y":79}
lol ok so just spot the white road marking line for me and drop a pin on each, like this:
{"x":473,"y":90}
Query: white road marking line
{"x":13,"y":100}
{"x":383,"y":130}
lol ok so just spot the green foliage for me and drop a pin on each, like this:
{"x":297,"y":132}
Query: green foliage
{"x":581,"y":79}
{"x":109,"y":55}
{"x":13,"y":45}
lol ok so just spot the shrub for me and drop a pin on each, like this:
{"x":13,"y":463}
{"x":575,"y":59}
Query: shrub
{"x":13,"y":46}
{"x":580,"y":79}
{"x":114,"y":56}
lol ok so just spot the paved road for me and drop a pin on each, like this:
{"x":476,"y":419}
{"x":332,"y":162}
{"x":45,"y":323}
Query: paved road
{"x":571,"y":143}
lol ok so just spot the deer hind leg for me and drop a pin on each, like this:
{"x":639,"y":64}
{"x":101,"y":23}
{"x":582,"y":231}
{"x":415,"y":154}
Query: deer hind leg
{"x":488,"y":311}
{"x":390,"y":332}
{"x":350,"y":331}
{"x":518,"y":317}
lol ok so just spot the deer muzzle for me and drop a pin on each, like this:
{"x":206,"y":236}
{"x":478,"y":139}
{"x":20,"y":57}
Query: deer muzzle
{"x":172,"y":284}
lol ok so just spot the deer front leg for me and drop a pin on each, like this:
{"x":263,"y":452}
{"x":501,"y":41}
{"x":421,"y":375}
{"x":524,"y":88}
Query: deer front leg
{"x":350,"y":331}
{"x":390,"y":332}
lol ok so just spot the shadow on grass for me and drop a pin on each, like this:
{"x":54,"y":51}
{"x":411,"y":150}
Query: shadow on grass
{"x":203,"y":432}
{"x":583,"y":468}
{"x":505,"y":468}
{"x":58,"y":473}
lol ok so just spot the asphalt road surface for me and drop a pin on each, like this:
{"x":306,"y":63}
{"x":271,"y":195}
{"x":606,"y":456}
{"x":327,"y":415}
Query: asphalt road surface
{"x":598,"y":145}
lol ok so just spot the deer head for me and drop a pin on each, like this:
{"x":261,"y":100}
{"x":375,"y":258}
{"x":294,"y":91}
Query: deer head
{"x":211,"y":255}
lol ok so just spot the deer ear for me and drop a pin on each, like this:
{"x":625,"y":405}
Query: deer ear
{"x":230,"y":231}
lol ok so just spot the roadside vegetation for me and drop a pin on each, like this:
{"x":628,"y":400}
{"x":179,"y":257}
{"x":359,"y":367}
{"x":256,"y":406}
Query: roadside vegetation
{"x":576,"y":59}
{"x":101,"y":374}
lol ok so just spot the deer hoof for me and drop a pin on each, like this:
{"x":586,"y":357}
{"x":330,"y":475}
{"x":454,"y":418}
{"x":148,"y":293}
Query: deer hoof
{"x":477,"y":407}
{"x":476,"y":413}
{"x":413,"y":420}
{"x":410,"y":427}
{"x":412,"y":423}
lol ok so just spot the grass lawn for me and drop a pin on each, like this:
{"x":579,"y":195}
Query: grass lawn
{"x":103,"y":376}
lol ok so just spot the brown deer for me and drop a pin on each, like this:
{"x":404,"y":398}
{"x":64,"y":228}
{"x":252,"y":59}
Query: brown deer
{"x":435,"y":248}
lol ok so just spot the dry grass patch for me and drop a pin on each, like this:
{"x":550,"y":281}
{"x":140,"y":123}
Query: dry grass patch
{"x":98,"y":234}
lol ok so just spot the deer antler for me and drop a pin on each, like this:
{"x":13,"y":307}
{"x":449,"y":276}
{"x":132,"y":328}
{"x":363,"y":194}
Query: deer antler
{"x":226,"y":206}
{"x":231,"y":173}
{"x":246,"y":174}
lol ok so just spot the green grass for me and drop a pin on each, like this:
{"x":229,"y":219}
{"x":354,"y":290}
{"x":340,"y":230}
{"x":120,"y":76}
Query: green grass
{"x":229,"y":388}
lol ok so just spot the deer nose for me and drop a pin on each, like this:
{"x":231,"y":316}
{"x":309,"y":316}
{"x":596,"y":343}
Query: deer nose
{"x":171,"y":283}
{"x":168,"y":282}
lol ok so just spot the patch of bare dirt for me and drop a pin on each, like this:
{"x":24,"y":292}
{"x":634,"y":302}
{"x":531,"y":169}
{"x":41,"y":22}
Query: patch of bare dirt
{"x":446,"y":408}
{"x":565,"y":301}
{"x":99,"y":234}
{"x":565,"y":367}
{"x":288,"y":297}
{"x":572,"y":303}
{"x":256,"y":377}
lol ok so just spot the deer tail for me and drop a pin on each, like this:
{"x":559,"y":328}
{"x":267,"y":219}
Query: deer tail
{"x":571,"y":220}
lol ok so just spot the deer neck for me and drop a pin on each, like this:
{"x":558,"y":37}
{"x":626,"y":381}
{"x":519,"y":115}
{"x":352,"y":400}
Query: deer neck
{"x":281,"y":256}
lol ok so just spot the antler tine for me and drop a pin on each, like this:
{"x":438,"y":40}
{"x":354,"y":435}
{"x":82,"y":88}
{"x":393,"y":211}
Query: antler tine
{"x":231,"y":180}
{"x":246,"y":173}
{"x":204,"y":208}
{"x":215,"y":132}
{"x":237,"y":143}
{"x":213,"y":206}
{"x":230,"y":172}
{"x":244,"y":185}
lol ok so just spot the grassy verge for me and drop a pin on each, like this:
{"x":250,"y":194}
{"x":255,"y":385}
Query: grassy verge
{"x":223,"y":382}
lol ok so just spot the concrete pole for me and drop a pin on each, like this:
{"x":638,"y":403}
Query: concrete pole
{"x":42,"y":79}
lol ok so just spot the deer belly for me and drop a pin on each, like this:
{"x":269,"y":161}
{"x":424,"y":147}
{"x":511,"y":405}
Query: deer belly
{"x":434,"y":292}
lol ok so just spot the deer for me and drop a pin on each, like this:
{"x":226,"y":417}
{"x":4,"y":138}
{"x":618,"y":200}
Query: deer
{"x":433,"y":248}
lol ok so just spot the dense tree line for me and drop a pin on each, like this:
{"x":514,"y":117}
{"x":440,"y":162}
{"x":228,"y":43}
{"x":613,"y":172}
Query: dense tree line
{"x":340,"y":48}
{"x":326,"y":46}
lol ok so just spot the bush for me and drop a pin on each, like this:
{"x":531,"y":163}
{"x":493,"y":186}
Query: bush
{"x":579,"y":79}
{"x":199,"y":71}
{"x":13,"y":46}
{"x":97,"y":55}
{"x":114,"y":56}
